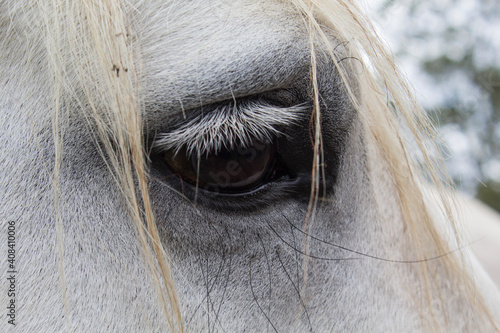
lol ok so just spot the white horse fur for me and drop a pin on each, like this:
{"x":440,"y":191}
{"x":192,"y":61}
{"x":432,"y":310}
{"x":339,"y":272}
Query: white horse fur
{"x":92,"y":92}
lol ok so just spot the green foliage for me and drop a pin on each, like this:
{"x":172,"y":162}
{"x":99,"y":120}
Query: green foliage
{"x":454,"y":44}
{"x":489,"y":193}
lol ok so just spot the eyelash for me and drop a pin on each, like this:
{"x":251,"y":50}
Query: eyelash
{"x":228,"y":126}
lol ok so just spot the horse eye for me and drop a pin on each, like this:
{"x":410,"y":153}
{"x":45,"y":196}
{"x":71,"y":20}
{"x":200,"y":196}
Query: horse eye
{"x":226,"y":171}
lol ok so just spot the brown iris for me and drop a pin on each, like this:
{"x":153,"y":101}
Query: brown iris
{"x":230,"y":171}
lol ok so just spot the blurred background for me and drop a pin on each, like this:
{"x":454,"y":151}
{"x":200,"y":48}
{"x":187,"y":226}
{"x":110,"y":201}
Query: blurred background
{"x":450,"y":50}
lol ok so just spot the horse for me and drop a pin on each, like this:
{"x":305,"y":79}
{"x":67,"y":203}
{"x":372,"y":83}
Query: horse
{"x":221,"y":166}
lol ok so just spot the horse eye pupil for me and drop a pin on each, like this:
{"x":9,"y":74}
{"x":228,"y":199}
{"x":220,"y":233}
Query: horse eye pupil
{"x":227,"y":171}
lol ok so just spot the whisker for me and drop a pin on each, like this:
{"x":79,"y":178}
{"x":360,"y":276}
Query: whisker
{"x":296,"y":290}
{"x":369,"y":255}
{"x":269,"y":275}
{"x":255,"y":298}
{"x":305,"y":254}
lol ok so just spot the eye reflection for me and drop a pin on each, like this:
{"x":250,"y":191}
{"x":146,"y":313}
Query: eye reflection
{"x":226,"y":171}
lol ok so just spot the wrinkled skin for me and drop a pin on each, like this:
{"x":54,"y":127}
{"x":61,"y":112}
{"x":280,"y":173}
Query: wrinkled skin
{"x":239,"y":263}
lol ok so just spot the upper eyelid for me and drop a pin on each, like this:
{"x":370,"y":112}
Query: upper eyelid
{"x":237,"y":123}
